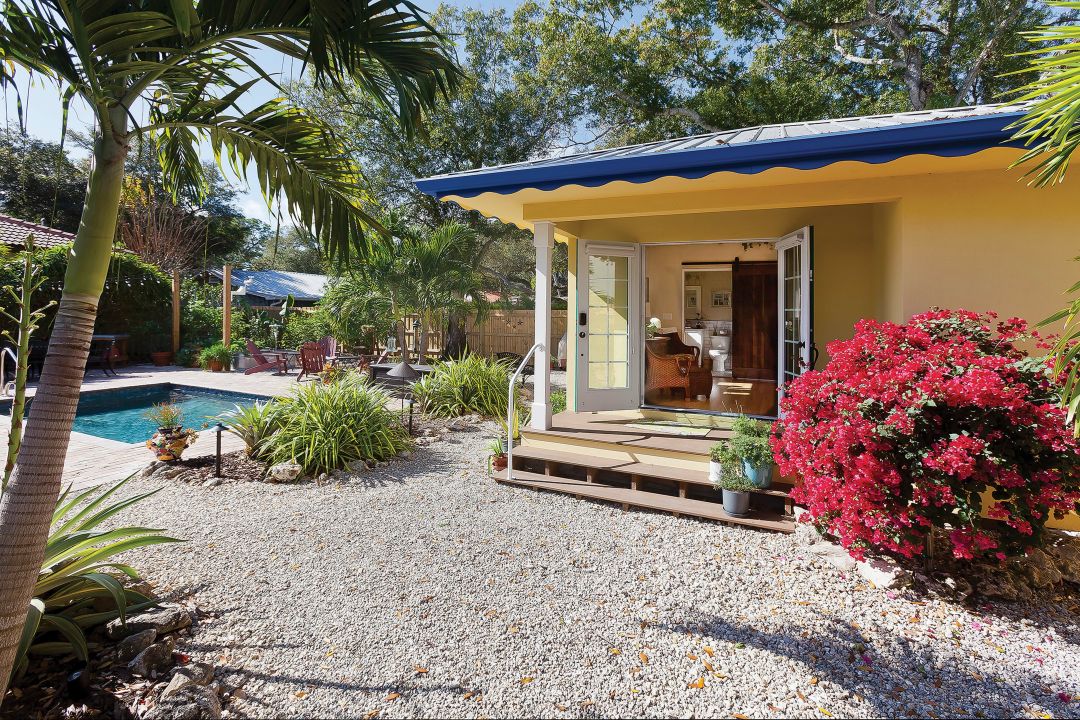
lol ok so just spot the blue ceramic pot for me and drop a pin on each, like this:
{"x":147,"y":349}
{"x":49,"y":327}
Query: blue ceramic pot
{"x":761,"y":477}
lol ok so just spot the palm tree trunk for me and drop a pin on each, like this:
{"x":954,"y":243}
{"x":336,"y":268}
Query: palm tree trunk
{"x":456,"y":339}
{"x":29,"y":500}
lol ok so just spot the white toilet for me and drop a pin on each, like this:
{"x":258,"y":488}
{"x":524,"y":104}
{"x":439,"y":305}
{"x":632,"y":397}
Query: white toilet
{"x":720,"y":352}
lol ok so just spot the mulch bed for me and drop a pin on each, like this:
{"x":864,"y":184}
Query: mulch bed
{"x":235,"y":467}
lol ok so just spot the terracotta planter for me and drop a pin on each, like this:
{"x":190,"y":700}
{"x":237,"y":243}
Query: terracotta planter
{"x":161,"y":358}
{"x":498,"y":462}
{"x":215,"y":366}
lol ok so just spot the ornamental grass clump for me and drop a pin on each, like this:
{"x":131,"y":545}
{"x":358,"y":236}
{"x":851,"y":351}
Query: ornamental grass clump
{"x":324,"y":427}
{"x":931,"y":424}
{"x":471,"y":384}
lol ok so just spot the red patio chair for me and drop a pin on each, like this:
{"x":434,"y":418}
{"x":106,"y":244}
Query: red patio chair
{"x":278,"y":364}
{"x":312,"y":360}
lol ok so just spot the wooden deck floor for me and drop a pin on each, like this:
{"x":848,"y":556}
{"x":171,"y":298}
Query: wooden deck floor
{"x":618,"y":427}
{"x":748,"y":397}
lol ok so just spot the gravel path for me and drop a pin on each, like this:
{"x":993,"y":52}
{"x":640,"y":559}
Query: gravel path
{"x":425,"y":589}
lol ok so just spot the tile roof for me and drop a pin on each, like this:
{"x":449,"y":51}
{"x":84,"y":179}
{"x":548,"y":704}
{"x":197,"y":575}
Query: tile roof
{"x":806,"y":145}
{"x":276,"y":285}
{"x":13,"y":233}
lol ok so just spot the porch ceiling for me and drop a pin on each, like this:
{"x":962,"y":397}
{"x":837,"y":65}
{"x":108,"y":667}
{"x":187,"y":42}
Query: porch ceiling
{"x":841,"y":183}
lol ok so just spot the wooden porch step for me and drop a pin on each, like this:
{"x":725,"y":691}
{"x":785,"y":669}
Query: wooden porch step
{"x":676,"y":474}
{"x":653,"y":501}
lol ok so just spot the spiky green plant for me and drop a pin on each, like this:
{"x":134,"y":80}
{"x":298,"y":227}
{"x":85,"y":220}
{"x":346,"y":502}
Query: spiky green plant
{"x":1051,"y":126}
{"x":81,"y":584}
{"x":323,"y":427}
{"x":472,"y":384}
{"x":253,"y":424}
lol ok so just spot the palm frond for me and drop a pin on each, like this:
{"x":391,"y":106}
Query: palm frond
{"x":1051,"y":127}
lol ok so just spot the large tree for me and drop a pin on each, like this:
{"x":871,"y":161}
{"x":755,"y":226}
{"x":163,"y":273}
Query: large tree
{"x":509,"y":107}
{"x":649,"y":70}
{"x":39,"y":182}
{"x":181,"y":72}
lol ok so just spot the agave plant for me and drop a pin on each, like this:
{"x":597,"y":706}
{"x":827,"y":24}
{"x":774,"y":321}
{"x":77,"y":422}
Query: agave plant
{"x":254,"y":425}
{"x":81,"y":583}
{"x":472,"y":384}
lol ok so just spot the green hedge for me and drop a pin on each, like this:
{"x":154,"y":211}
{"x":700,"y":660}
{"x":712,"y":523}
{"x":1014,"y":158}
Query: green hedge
{"x":137,"y":298}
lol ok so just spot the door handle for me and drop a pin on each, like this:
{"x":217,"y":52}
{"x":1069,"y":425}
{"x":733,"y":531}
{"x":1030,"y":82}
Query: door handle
{"x":582,"y":319}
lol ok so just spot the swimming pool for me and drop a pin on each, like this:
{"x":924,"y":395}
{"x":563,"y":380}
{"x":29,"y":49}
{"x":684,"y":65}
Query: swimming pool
{"x":118,"y":414}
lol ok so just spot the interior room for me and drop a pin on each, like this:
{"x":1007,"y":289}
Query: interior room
{"x":715,"y":307}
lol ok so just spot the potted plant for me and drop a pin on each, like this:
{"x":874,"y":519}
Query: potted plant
{"x":736,"y":491}
{"x":215,"y":358}
{"x":750,"y":444}
{"x":498,"y":455}
{"x":171,"y":438}
{"x":161,"y":358}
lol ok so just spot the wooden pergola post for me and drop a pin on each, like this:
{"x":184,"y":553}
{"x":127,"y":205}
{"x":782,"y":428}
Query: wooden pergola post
{"x":175,"y":311}
{"x":226,"y":304}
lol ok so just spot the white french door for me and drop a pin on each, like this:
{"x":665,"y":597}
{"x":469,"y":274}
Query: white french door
{"x":795,"y":304}
{"x":609,"y":326}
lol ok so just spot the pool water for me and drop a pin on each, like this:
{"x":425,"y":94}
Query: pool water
{"x":119,"y":414}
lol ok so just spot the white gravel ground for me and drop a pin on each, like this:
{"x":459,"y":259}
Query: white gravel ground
{"x":425,"y":589}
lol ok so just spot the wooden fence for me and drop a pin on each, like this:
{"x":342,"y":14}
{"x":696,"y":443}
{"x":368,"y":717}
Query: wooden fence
{"x":500,"y":331}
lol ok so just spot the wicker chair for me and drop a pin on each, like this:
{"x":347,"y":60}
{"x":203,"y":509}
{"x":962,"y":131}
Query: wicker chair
{"x":676,"y":346}
{"x":671,"y":372}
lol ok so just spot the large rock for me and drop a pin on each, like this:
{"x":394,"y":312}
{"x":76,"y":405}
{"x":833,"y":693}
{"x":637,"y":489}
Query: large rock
{"x":283,"y":472}
{"x":194,"y":674}
{"x":835,"y":555}
{"x":191,"y":702}
{"x":154,"y":660}
{"x":1000,"y":582}
{"x":1066,"y":556}
{"x":132,"y":645}
{"x":166,"y":619}
{"x":883,"y":572}
{"x":1039,"y":569}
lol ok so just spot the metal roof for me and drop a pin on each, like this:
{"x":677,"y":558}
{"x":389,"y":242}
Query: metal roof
{"x":13,"y":232}
{"x":275,"y":285}
{"x":803,"y":145}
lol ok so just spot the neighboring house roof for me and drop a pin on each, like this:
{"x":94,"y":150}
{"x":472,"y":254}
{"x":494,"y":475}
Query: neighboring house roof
{"x":278,"y":284}
{"x":13,"y":232}
{"x":948,"y":132}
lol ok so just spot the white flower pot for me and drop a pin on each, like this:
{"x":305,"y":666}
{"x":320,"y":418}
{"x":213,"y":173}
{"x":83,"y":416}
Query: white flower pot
{"x":714,"y":472}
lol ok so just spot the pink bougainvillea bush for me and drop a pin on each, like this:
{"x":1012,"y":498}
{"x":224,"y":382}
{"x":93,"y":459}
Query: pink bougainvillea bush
{"x":907,"y":425}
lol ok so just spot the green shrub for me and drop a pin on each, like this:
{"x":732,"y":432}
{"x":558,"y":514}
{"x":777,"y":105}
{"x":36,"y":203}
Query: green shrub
{"x":303,"y":326}
{"x":558,"y":401}
{"x":749,"y":442}
{"x":135,"y":300}
{"x":472,"y":384}
{"x":80,"y":584}
{"x":219,"y":352}
{"x":736,"y":483}
{"x":254,"y":425}
{"x":323,"y":427}
{"x":186,"y":356}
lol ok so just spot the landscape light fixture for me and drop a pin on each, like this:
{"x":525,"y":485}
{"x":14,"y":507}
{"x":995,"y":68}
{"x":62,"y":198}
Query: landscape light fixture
{"x":404,"y":372}
{"x":219,"y":428}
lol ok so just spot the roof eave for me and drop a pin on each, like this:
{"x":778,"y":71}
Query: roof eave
{"x":945,"y":138}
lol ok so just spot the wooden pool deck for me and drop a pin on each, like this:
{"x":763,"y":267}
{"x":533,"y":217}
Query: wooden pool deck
{"x":92,"y":460}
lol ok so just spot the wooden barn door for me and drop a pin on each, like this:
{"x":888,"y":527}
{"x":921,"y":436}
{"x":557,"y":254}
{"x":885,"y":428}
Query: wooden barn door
{"x":754,"y":320}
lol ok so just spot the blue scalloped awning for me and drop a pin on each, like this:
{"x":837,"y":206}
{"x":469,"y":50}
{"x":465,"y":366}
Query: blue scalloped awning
{"x":805,"y":146}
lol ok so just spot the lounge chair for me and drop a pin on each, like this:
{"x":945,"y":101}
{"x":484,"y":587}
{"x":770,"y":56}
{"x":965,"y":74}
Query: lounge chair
{"x":262,"y":362}
{"x":312,"y":360}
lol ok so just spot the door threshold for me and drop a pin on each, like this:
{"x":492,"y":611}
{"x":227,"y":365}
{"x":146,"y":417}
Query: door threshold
{"x":706,"y":413}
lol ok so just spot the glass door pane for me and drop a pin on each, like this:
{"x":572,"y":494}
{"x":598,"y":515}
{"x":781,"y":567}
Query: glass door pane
{"x":792,"y":312}
{"x":609,"y":322}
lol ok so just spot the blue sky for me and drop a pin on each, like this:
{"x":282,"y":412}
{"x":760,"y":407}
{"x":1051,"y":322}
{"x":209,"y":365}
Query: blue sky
{"x":43,"y":111}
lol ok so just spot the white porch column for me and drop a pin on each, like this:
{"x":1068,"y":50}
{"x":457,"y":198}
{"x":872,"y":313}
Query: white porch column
{"x":544,"y":241}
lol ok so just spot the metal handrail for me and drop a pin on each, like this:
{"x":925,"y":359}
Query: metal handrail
{"x":511,"y":409}
{"x":3,"y":374}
